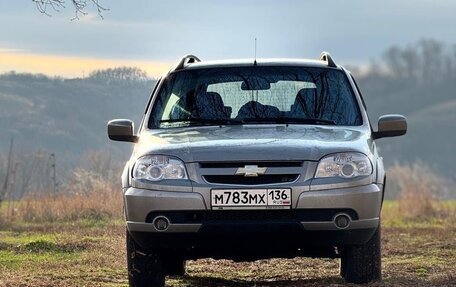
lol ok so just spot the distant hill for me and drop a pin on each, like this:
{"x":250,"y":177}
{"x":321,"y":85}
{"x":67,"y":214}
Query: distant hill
{"x":68,"y":116}
{"x":431,"y":113}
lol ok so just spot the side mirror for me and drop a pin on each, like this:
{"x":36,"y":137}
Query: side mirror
{"x":391,"y":126}
{"x":122,"y":130}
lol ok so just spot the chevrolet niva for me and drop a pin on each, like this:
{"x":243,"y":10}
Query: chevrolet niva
{"x":254,"y":159}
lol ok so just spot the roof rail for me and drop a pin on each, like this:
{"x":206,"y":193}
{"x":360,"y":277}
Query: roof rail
{"x":326,"y":57}
{"x":188,"y":59}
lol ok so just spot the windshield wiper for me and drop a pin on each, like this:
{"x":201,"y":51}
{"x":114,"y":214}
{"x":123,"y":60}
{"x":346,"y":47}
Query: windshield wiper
{"x":278,"y":120}
{"x":290,"y":120}
{"x":204,"y":121}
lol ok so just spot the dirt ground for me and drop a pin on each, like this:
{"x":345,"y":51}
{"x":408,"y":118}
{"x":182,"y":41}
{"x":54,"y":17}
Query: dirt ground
{"x":92,"y":253}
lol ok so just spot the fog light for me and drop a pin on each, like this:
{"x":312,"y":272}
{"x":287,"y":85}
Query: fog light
{"x":342,"y":221}
{"x":161,"y":223}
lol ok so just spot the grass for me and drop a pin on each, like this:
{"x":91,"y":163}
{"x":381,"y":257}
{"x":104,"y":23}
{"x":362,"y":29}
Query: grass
{"x":88,"y":252}
{"x":443,"y":215}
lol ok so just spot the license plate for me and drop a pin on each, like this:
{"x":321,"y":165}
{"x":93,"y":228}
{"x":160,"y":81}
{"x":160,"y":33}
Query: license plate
{"x":274,"y":198}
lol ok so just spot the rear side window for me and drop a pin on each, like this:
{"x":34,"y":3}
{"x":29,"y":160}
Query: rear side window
{"x":257,"y":92}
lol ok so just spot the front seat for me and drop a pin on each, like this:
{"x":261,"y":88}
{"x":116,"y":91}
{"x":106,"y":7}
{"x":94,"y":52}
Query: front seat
{"x":209,"y":105}
{"x":255,"y":110}
{"x":304,"y":104}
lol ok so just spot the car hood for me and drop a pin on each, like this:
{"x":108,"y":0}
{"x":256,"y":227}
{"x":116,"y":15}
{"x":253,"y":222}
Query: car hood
{"x":253,"y":142}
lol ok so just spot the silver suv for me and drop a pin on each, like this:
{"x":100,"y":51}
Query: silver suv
{"x":254,"y":159}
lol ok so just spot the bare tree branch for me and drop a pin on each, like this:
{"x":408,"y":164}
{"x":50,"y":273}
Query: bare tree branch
{"x":47,"y":6}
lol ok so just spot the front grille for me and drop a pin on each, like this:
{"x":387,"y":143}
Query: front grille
{"x":233,"y":164}
{"x":220,"y":216}
{"x":254,"y":180}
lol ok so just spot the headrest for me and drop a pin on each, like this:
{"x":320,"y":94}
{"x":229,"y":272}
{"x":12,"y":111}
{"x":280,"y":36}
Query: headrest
{"x":210,"y":105}
{"x":209,"y":98}
{"x":306,"y":92}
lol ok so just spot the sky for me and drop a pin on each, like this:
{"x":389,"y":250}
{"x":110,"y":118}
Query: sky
{"x":153,"y":35}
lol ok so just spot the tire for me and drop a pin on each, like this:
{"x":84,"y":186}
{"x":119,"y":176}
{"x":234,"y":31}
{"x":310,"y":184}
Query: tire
{"x":145,"y":268}
{"x":174,"y":266}
{"x":362,"y":263}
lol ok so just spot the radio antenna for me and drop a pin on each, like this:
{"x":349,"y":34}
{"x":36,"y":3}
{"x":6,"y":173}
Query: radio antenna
{"x":255,"y":61}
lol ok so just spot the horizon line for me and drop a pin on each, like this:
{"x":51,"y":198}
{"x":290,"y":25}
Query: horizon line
{"x":73,"y":66}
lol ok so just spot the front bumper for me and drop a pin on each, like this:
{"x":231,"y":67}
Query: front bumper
{"x":304,"y":227}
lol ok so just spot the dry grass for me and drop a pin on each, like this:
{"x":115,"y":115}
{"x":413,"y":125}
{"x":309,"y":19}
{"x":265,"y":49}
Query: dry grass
{"x":419,"y":188}
{"x":87,"y":195}
{"x":99,"y":204}
{"x":89,"y":192}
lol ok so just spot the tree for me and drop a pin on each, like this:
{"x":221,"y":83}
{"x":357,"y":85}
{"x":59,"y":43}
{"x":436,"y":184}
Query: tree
{"x":127,"y":74}
{"x":4,"y":189}
{"x":433,"y":58}
{"x":80,"y":6}
{"x":426,"y":61}
{"x":394,"y":61}
{"x":412,"y":62}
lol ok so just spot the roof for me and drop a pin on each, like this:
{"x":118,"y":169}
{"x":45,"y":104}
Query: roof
{"x":191,"y":62}
{"x":260,"y":62}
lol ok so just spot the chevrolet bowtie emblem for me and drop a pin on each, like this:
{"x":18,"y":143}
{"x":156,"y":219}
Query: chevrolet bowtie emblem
{"x":251,"y":170}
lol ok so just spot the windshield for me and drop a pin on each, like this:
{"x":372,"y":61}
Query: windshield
{"x":255,"y":95}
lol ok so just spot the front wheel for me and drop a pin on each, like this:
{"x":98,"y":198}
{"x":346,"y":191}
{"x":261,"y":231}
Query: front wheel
{"x":145,"y":268}
{"x":362,"y":263}
{"x":174,"y":266}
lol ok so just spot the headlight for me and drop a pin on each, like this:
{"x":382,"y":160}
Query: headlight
{"x":158,"y":167}
{"x":346,"y":165}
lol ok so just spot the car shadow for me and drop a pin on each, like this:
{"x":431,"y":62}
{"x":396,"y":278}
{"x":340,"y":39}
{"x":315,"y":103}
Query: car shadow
{"x":206,"y":281}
